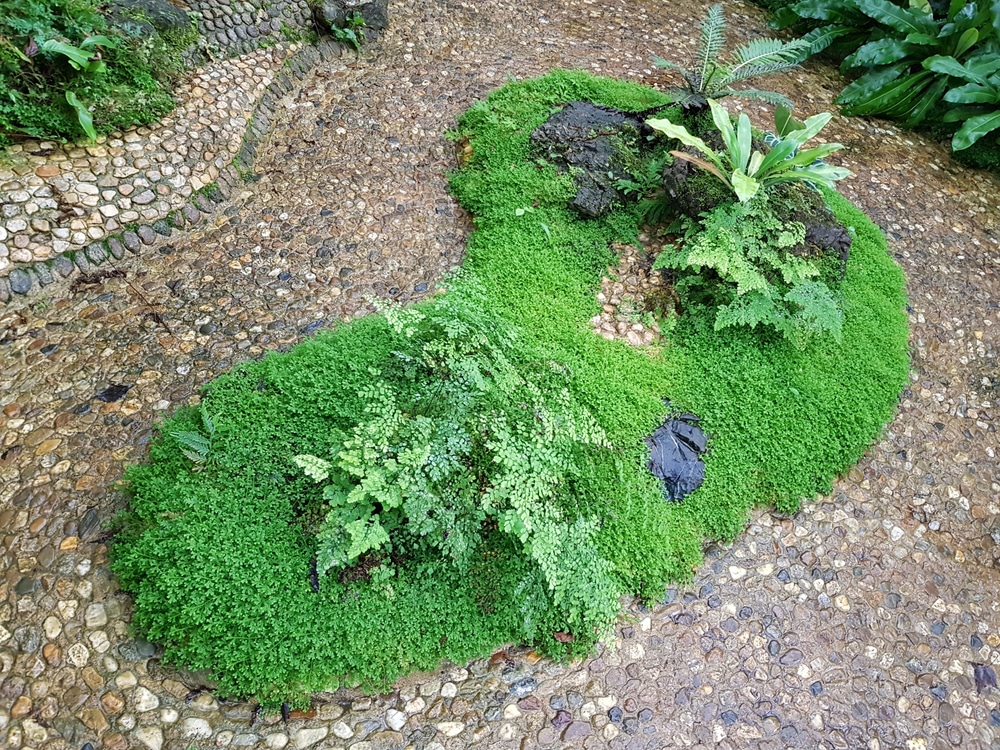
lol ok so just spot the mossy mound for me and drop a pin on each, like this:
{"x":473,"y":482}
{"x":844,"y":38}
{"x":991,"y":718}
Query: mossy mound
{"x":219,"y":554}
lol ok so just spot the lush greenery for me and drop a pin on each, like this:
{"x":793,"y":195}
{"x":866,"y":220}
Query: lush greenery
{"x":426,"y":484}
{"x":713,"y":76}
{"x":919,"y":63}
{"x":746,"y":171}
{"x":66,"y":73}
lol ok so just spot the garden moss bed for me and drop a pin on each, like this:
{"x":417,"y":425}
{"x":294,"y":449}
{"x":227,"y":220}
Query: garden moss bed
{"x":485,"y":448}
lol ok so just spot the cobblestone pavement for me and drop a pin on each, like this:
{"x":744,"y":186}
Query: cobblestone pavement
{"x":867,"y":620}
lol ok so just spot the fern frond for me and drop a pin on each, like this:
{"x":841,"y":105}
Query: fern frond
{"x":771,"y":97}
{"x":766,"y":56}
{"x":711,"y":43}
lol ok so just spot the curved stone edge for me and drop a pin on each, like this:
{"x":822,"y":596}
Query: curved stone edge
{"x":32,"y":278}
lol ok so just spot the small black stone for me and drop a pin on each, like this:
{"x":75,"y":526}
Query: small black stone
{"x":421,"y":287}
{"x":975,"y":642}
{"x":745,"y":613}
{"x":325,"y":212}
{"x":207,"y":329}
{"x":114,"y":392}
{"x":49,"y":348}
{"x":995,"y":717}
{"x":81,"y":409}
{"x":783,"y":576}
{"x":284,"y":276}
{"x":26,"y":586}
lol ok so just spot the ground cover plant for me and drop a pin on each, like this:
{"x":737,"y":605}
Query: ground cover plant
{"x":430,"y":483}
{"x":67,"y":73}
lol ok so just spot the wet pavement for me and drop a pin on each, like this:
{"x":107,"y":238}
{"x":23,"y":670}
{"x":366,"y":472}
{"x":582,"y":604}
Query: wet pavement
{"x":868,"y":620}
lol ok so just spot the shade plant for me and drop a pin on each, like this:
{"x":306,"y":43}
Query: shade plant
{"x":430,"y":483}
{"x":67,"y":73}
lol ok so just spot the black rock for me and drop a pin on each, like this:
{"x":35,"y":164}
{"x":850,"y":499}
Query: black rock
{"x":333,"y":14}
{"x":163,"y":15}
{"x":113,"y":393}
{"x":592,"y":142}
{"x":675,"y":450}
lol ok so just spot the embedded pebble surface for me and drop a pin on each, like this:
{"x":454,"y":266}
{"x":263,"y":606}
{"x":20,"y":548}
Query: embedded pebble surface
{"x":867,"y":620}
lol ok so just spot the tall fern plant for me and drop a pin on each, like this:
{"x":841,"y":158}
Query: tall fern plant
{"x":713,"y":76}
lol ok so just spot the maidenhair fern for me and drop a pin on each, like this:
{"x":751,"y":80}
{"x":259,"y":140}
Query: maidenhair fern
{"x":740,"y":257}
{"x":470,"y":434}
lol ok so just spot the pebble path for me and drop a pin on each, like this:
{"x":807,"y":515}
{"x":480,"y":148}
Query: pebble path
{"x":868,"y":620}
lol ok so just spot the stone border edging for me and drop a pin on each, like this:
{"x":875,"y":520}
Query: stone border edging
{"x":32,"y":277}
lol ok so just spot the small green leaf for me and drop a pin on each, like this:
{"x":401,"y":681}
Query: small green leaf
{"x":82,"y":115}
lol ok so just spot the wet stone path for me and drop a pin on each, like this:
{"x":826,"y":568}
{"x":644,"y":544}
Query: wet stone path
{"x":867,"y":620}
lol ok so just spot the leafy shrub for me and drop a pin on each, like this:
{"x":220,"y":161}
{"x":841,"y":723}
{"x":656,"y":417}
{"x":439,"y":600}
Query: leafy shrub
{"x":745,"y":171}
{"x":66,"y":73}
{"x":740,"y":263}
{"x":925,"y":63}
{"x":712,"y":76}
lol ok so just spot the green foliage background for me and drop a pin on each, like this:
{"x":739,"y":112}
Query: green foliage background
{"x":217,"y":554}
{"x":133,"y":90}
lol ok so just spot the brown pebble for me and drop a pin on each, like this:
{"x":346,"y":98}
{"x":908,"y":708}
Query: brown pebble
{"x":21,"y":707}
{"x":69,"y":543}
{"x":94,"y":720}
{"x":115,"y":742}
{"x":112,"y":703}
{"x":37,"y":525}
{"x":93,"y":678}
{"x":531,"y":703}
{"x":52,"y":654}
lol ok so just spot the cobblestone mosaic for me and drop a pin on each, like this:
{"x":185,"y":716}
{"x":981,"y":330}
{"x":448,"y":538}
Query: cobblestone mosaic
{"x":867,"y":620}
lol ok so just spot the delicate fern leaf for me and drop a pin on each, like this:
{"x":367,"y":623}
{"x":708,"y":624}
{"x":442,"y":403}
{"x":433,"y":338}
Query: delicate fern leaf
{"x":194,"y":445}
{"x":711,"y":43}
{"x":314,"y":467}
{"x":766,"y":56}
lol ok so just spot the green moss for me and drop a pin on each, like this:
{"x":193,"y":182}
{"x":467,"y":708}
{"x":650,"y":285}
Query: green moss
{"x":218,"y":556}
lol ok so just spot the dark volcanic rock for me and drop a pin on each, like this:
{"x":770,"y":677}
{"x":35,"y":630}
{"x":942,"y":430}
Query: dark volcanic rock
{"x":675,"y":450}
{"x":333,"y":14}
{"x":594,"y":142}
{"x":163,"y":16}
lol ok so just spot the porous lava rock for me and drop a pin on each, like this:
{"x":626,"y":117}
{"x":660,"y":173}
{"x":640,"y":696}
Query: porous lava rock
{"x":596,"y":145}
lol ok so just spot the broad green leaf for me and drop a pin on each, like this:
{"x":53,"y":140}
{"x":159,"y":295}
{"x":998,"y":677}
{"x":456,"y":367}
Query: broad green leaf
{"x":882,"y":100}
{"x":880,"y":52}
{"x":923,"y":104}
{"x":974,"y":129}
{"x":680,"y":133}
{"x":949,"y":66}
{"x":777,"y":155}
{"x":973,"y":93}
{"x":966,"y":42}
{"x":823,"y":36}
{"x":743,"y":141}
{"x":901,"y":19}
{"x":925,"y":40}
{"x":98,"y":40}
{"x":725,"y":125}
{"x":960,"y":114}
{"x":82,"y":115}
{"x":825,"y":10}
{"x":744,"y":186}
{"x":76,"y":56}
{"x":872,"y":81}
{"x":755,"y":161}
{"x":784,"y":123}
{"x":922,"y":5}
{"x":810,"y":128}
